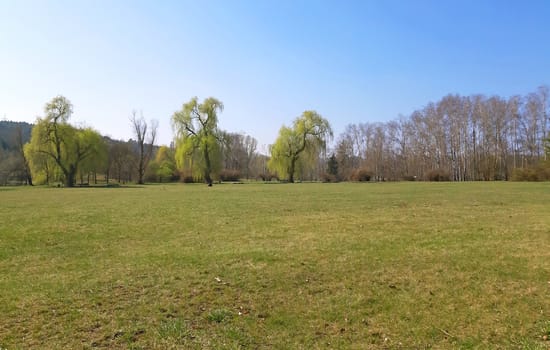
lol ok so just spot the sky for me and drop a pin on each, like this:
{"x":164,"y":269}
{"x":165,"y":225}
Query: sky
{"x":266,"y":60}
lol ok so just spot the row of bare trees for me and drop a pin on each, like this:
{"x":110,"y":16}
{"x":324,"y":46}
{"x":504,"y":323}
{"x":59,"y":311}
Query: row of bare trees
{"x":464,"y":137}
{"x":240,"y":156}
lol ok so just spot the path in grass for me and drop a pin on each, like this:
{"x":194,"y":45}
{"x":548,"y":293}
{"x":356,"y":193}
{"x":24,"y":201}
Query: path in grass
{"x":359,"y":266}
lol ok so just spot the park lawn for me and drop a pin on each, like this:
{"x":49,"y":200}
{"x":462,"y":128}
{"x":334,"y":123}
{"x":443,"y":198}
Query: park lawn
{"x":276,"y":266}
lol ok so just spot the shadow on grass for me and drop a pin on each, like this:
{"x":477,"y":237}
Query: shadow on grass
{"x":109,"y":186}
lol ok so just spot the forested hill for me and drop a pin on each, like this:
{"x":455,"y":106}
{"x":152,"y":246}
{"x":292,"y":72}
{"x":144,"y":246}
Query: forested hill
{"x":9,"y":131}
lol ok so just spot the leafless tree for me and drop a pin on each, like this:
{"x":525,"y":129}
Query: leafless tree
{"x":145,"y":137}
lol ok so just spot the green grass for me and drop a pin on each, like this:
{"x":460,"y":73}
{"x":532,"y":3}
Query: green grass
{"x":289,"y":266}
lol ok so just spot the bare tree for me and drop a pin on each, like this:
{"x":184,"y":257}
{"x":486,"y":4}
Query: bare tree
{"x":543,"y":92}
{"x":146,"y":135}
{"x":238,"y":151}
{"x":468,"y":138}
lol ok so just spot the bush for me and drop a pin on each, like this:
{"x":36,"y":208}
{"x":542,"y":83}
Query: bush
{"x":230,"y":175}
{"x":438,"y":175}
{"x":326,"y":177}
{"x":267,"y":177}
{"x":536,"y":173}
{"x":361,"y":174}
{"x":187,"y":177}
{"x":409,"y":178}
{"x":175,"y":177}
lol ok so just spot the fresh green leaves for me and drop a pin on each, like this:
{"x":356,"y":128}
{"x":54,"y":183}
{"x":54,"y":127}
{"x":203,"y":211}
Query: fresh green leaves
{"x":57,"y":150}
{"x":197,"y":137}
{"x":297,"y":148}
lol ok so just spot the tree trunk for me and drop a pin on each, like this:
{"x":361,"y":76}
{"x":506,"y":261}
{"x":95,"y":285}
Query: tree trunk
{"x":207,"y":167}
{"x":70,"y":177}
{"x":208,"y":179}
{"x":47,"y":173}
{"x":291,"y":170}
{"x":140,"y":174}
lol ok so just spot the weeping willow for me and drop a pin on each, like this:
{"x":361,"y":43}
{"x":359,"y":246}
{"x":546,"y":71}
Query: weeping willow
{"x":297,"y":149}
{"x":198,"y":138}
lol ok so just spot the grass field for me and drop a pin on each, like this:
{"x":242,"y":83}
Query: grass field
{"x":282,"y":266}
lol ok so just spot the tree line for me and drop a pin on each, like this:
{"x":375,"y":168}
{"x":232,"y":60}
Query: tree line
{"x":57,"y":152}
{"x":458,"y":138}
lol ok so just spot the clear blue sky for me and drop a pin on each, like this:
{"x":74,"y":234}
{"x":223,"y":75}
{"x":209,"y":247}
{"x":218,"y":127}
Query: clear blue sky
{"x":267,"y":60}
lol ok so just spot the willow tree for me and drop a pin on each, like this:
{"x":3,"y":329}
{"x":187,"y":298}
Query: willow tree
{"x":56,"y":143}
{"x":164,"y":164}
{"x":197,"y":137}
{"x":297,"y":144}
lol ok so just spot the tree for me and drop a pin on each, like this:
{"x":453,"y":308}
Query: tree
{"x":122,"y":160}
{"x":21,"y":152}
{"x":332,"y":166}
{"x":145,"y":147}
{"x":55,"y":139}
{"x":164,"y":165}
{"x":304,"y":141}
{"x":13,"y":163}
{"x":467,"y":137}
{"x":239,"y":151}
{"x":96,"y":164}
{"x":8,"y":166}
{"x":197,"y":136}
{"x":43,"y":167}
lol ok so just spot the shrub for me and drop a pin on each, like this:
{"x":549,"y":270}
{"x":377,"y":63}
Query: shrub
{"x":409,"y":178}
{"x":536,"y":173}
{"x":175,"y":177}
{"x":187,"y":177}
{"x":326,"y":177}
{"x":361,"y":174}
{"x":230,"y":175}
{"x":438,"y":175}
{"x":151,"y":172}
{"x":267,"y":176}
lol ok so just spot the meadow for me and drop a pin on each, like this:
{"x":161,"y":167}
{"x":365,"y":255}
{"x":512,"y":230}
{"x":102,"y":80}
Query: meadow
{"x":276,"y":266}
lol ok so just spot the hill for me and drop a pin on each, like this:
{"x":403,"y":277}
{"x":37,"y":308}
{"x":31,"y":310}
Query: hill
{"x":8,"y":133}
